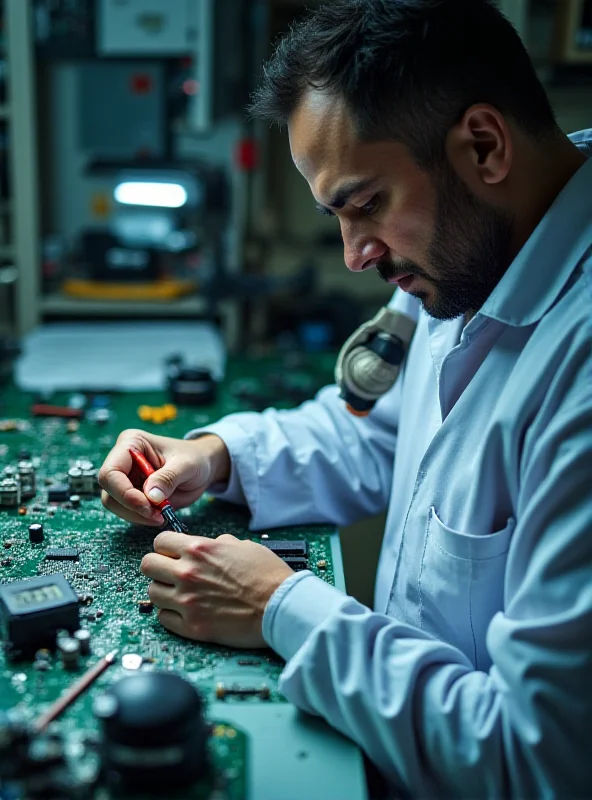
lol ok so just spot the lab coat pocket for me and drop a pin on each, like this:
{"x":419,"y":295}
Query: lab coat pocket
{"x":461,"y":585}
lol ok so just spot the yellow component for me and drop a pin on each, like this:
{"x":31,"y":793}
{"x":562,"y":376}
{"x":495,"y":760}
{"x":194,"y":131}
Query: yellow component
{"x":156,"y":291}
{"x":230,"y":733}
{"x":219,"y":731}
{"x":145,"y":413}
{"x":158,"y":417}
{"x":100,"y":205}
{"x":169,"y":411}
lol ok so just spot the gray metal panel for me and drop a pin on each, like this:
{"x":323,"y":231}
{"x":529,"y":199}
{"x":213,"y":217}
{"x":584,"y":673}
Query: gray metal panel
{"x":122,"y":111}
{"x":143,"y":27}
{"x":293,"y":756}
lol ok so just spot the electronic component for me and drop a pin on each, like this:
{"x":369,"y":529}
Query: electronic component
{"x":46,"y":410}
{"x":237,"y":690}
{"x":157,"y":414}
{"x":82,"y":636}
{"x":297,"y":564}
{"x":9,"y":425}
{"x":191,"y":386}
{"x":100,"y":416}
{"x":154,"y":735}
{"x":69,"y":651}
{"x":26,"y":473}
{"x":322,"y":564}
{"x":145,"y":606}
{"x":82,"y":479}
{"x":33,"y":610}
{"x":132,"y":661}
{"x":36,"y":534}
{"x":285,"y":548}
{"x":10,"y":492}
{"x":62,"y":554}
{"x":58,"y":492}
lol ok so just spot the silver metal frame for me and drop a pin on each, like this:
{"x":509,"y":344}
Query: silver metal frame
{"x":21,"y":116}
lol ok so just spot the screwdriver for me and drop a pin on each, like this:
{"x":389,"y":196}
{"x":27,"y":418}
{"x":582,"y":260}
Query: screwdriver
{"x":165,"y":508}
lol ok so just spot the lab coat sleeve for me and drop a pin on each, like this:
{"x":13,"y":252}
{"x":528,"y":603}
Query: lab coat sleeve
{"x":432,"y":723}
{"x":313,"y":464}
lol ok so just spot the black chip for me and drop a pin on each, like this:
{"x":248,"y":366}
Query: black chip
{"x":62,"y":554}
{"x":284,"y":548}
{"x":297,"y":564}
{"x":58,"y":492}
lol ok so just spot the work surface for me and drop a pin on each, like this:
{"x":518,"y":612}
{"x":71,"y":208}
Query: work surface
{"x":259,"y":746}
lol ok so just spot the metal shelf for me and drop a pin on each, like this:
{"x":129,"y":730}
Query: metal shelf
{"x":61,"y":305}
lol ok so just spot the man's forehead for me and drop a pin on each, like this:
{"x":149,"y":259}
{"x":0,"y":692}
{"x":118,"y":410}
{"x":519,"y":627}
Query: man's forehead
{"x":320,"y":131}
{"x":327,"y":151}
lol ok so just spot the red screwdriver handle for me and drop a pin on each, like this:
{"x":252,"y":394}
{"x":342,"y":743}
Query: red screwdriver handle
{"x":146,"y":469}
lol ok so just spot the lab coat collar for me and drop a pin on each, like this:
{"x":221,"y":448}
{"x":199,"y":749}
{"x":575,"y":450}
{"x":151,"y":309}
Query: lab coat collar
{"x":539,"y":273}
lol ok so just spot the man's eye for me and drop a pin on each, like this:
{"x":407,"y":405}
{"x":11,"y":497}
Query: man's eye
{"x":371,"y":207}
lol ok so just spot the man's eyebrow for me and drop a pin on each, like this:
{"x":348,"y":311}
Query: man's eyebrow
{"x":348,"y":190}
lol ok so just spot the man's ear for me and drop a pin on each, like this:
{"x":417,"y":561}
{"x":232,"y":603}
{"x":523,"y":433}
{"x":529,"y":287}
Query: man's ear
{"x":479,"y":147}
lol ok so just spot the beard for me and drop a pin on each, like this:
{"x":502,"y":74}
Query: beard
{"x":469,"y":254}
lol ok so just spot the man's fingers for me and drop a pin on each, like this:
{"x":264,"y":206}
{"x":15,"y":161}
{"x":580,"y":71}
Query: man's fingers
{"x":114,"y":479}
{"x":172,"y":621}
{"x":159,"y":568}
{"x":172,"y":544}
{"x":116,"y":508}
{"x":180,"y":469}
{"x":163,"y":595}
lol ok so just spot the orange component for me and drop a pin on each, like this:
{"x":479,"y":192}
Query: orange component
{"x":356,"y":413}
{"x":170,"y":411}
{"x":145,"y":413}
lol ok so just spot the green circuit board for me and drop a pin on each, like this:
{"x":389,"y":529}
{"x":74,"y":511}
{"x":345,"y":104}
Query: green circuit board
{"x":105,"y":574}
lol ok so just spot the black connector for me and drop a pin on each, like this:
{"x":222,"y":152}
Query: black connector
{"x":173,"y":520}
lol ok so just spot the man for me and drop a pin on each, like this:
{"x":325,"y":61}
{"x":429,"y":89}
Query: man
{"x":422,"y":127}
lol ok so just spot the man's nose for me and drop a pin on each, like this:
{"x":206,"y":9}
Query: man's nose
{"x":362,"y":254}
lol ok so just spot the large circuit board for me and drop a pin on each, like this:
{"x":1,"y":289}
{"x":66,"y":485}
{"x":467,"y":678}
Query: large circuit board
{"x":99,"y":555}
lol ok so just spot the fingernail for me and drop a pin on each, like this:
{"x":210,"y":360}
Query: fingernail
{"x":156,"y":495}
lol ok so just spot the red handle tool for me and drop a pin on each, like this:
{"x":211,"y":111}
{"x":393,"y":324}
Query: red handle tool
{"x":165,"y":508}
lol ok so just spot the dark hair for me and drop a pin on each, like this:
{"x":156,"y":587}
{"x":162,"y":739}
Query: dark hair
{"x":406,"y":69}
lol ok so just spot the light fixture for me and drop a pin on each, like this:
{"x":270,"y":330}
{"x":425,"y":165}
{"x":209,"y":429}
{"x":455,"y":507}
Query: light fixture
{"x":155,"y":194}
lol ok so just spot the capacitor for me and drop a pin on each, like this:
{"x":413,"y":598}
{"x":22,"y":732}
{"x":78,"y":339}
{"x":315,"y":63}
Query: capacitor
{"x":27,"y":478}
{"x":69,"y":651}
{"x":154,"y":736}
{"x":82,"y":636}
{"x":36,"y":534}
{"x":10,"y":492}
{"x":82,"y":478}
{"x":75,"y":500}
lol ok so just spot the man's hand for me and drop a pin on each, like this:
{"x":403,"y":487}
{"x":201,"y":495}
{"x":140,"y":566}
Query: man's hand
{"x":184,"y":470}
{"x":213,"y":590}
